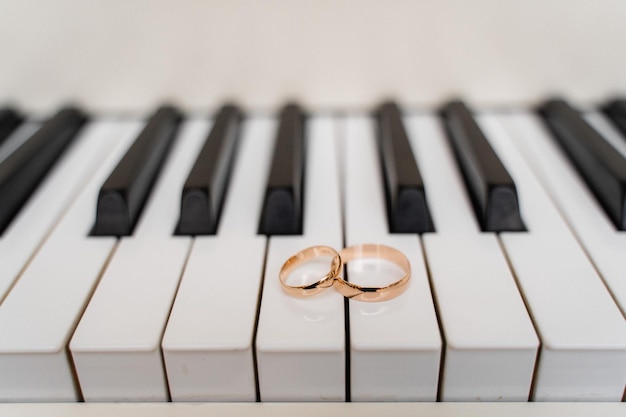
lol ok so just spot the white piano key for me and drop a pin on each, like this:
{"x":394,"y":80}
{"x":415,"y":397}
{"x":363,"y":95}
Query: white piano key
{"x":208,"y":342}
{"x":39,"y":215}
{"x":395,"y":345}
{"x":583,"y":333}
{"x":116,"y":346}
{"x":39,"y":315}
{"x":491,"y":345}
{"x":300,"y":343}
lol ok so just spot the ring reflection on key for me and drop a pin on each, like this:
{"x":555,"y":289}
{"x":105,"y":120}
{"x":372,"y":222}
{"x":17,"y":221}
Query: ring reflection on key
{"x":300,"y":259}
{"x":374,"y":293}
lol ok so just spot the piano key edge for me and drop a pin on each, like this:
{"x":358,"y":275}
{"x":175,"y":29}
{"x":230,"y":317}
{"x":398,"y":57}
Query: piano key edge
{"x":431,"y":409}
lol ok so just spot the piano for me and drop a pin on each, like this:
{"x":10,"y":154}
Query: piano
{"x":116,"y":296}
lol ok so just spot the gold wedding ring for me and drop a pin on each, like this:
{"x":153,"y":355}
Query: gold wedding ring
{"x":302,"y":257}
{"x":383,"y":293}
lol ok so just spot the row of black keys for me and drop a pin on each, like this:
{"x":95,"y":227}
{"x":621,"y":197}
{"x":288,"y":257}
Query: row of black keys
{"x":490,"y":186}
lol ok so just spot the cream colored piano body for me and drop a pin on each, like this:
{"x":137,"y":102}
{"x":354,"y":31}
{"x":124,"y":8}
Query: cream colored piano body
{"x":126,"y":56}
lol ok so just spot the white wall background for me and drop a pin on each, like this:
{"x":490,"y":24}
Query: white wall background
{"x":119,"y":55}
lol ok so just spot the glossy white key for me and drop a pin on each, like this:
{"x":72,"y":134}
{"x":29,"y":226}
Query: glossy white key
{"x":208,"y":342}
{"x":39,"y":315}
{"x":117,"y":345}
{"x":583,"y":333}
{"x":39,"y":215}
{"x":491,"y":345}
{"x":395,"y":345}
{"x":300,"y":342}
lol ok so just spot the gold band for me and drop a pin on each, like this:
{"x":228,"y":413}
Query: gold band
{"x":302,"y":257}
{"x":387,"y":292}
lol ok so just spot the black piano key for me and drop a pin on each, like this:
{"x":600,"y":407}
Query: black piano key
{"x":616,"y":111}
{"x":490,"y":186}
{"x":407,"y":211}
{"x":205,"y":187}
{"x":9,"y":120}
{"x":601,"y":166}
{"x":22,"y":171}
{"x":282,"y":206}
{"x":125,"y":192}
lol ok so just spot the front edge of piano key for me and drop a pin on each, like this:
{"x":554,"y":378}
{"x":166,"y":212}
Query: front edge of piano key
{"x":300,"y":343}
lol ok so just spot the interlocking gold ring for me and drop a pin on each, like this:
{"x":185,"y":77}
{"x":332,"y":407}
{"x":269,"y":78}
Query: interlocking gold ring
{"x":383,"y":293}
{"x":306,"y":255}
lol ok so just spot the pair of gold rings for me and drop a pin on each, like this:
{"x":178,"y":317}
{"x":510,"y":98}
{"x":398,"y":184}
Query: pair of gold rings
{"x":333,"y":278}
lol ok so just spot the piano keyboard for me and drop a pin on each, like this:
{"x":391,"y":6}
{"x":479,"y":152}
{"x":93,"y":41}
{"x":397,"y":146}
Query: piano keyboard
{"x":531,"y":309}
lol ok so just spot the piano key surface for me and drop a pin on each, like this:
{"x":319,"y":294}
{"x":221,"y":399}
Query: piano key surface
{"x":205,"y":187}
{"x":492,"y":189}
{"x":407,"y":208}
{"x":584,"y":214}
{"x":208,"y":343}
{"x":22,"y":170}
{"x":598,"y":162}
{"x":490,"y":341}
{"x":395,"y":346}
{"x":124,"y":193}
{"x":282,"y":206}
{"x":47,"y":204}
{"x":300,"y":343}
{"x":327,"y":176}
{"x":39,"y":316}
{"x":583,"y":333}
{"x":116,"y":346}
